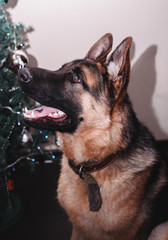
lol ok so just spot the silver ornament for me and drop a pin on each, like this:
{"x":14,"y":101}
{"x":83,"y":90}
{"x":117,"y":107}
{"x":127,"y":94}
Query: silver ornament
{"x":25,"y":137}
{"x":17,"y":59}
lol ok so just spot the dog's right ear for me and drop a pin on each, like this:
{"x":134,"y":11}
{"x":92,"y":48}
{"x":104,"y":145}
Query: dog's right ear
{"x":100,"y":49}
{"x":118,"y":67}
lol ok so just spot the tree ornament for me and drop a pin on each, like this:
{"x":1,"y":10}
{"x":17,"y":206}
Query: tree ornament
{"x":25,"y":138}
{"x":17,"y":59}
{"x":10,"y":184}
{"x":57,"y":142}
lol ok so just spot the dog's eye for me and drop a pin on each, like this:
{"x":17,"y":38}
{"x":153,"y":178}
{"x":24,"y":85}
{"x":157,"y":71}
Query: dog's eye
{"x":76,"y":79}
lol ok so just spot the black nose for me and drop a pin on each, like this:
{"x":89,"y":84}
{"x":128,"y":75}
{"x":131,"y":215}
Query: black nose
{"x":24,"y":75}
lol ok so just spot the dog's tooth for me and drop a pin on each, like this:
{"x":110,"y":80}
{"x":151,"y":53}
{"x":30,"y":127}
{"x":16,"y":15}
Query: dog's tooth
{"x":26,"y":115}
{"x":32,"y":114}
{"x":60,"y":112}
{"x":50,"y":115}
{"x":25,"y":109}
{"x":37,"y":103}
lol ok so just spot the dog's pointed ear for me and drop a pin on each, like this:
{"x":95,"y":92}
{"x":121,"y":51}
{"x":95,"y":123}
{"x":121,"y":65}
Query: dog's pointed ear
{"x":118,"y":66}
{"x":100,"y":49}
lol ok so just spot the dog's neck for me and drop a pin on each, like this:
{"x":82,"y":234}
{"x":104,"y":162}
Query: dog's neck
{"x":88,"y":144}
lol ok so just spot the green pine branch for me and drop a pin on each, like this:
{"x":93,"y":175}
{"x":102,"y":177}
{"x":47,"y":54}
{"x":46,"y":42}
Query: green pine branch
{"x":13,"y":100}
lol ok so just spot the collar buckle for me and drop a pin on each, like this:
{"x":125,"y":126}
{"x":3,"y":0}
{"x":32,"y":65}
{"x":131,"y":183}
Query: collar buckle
{"x":80,"y":171}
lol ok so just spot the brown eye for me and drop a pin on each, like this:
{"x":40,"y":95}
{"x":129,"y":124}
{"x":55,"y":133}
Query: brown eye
{"x":76,"y":79}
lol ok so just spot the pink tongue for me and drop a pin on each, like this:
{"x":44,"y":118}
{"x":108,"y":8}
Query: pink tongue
{"x":42,"y":111}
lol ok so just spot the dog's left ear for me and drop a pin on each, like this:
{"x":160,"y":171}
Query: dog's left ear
{"x":118,"y":67}
{"x":100,"y":49}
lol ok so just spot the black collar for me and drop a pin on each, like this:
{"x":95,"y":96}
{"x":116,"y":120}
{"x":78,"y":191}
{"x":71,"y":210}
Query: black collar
{"x":92,"y":166}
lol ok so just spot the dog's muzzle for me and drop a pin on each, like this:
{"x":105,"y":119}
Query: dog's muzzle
{"x":24,"y":75}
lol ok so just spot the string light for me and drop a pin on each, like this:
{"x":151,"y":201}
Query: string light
{"x":13,"y":89}
{"x":10,"y":133}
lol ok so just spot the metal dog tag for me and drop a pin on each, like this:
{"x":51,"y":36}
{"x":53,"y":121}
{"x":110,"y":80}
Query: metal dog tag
{"x":93,"y":192}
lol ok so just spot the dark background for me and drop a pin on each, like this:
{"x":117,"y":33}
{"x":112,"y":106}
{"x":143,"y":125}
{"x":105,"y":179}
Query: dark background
{"x":42,"y":218}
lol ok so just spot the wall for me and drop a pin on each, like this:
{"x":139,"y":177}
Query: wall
{"x":64,"y":30}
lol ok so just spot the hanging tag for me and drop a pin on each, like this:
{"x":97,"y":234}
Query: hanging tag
{"x":93,"y":192}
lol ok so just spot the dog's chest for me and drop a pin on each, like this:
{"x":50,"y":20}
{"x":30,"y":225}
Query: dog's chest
{"x":119,"y":203}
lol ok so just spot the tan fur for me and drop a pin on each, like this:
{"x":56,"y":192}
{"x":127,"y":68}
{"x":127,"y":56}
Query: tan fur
{"x":89,"y":77}
{"x":97,"y":142}
{"x":160,"y":232}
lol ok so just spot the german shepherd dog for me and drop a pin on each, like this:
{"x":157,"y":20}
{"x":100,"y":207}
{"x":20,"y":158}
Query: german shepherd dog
{"x":113,"y":183}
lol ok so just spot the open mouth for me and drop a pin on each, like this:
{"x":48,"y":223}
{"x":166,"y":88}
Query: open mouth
{"x":46,"y":117}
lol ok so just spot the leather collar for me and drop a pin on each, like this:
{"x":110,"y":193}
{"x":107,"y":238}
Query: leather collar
{"x":90,"y":167}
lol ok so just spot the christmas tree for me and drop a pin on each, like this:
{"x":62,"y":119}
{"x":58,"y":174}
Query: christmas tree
{"x":17,"y":141}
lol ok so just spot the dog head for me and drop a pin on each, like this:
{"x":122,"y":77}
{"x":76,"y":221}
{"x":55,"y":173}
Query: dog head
{"x":100,"y":77}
